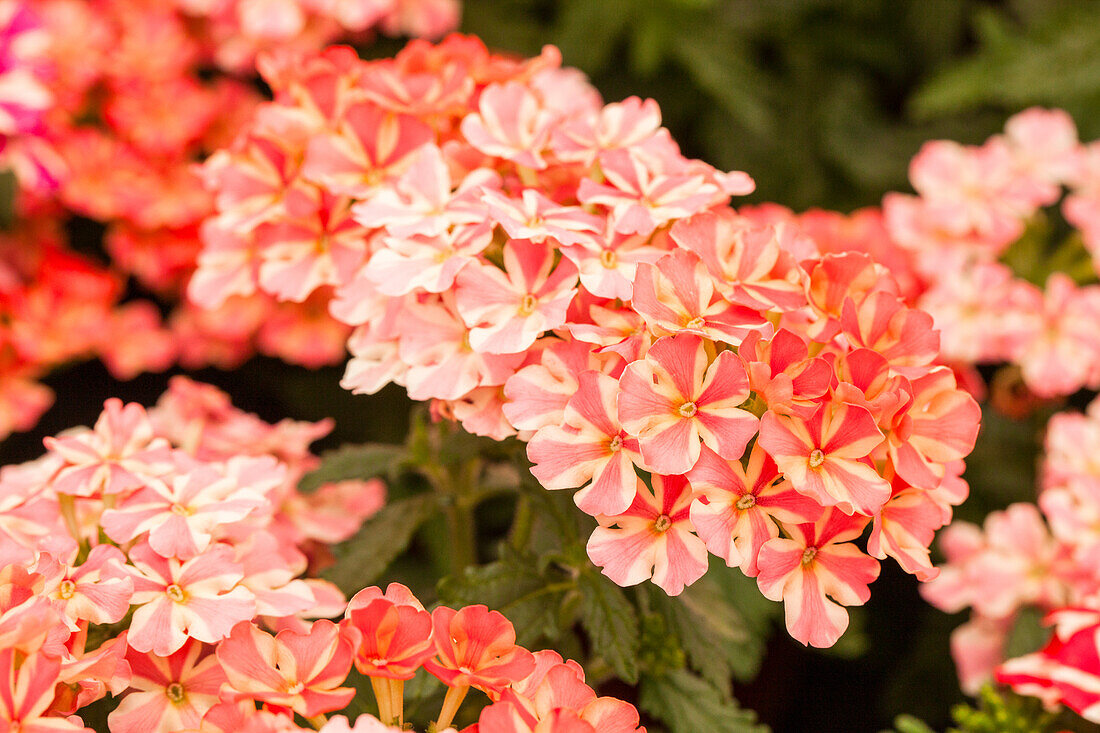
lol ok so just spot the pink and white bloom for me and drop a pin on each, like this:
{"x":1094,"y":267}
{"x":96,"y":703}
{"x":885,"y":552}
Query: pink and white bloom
{"x":510,"y":123}
{"x":674,"y":398}
{"x":653,"y":538}
{"x":169,"y":693}
{"x":815,"y":573}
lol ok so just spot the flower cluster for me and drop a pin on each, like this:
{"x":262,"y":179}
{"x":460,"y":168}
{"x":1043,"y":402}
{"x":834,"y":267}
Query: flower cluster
{"x":132,"y":544}
{"x":534,"y":261}
{"x":1029,"y":557}
{"x":95,"y":127}
{"x":980,"y":207}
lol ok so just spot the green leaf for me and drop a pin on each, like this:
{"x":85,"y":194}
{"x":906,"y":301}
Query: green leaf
{"x":689,"y":704}
{"x":363,"y":558}
{"x":713,"y":632}
{"x":514,"y":586}
{"x":369,"y":460}
{"x":611,"y":623}
{"x":909,"y":724}
{"x":9,"y":187}
{"x":1028,"y":633}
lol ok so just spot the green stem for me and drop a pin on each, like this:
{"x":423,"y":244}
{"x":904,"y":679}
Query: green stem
{"x":381,"y":687}
{"x":460,"y":526}
{"x":317,"y":721}
{"x":451,"y":703}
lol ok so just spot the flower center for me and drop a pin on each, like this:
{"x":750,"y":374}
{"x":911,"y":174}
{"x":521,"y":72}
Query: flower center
{"x":174,"y":692}
{"x":816,"y":458}
{"x":175,"y":593}
{"x":697,"y":322}
{"x":295,"y":688}
{"x":608,"y":259}
{"x":66,"y":589}
{"x":528,"y":304}
{"x":616,"y":444}
{"x":663,"y":523}
{"x":747,"y":501}
{"x":181,"y":510}
{"x":808,"y":555}
{"x":688,"y":409}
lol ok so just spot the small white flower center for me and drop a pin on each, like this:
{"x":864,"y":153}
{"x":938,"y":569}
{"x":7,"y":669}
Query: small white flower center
{"x":808,"y":555}
{"x":697,"y":322}
{"x":175,"y":593}
{"x":748,"y":501}
{"x":295,"y":688}
{"x":616,"y":444}
{"x":688,"y":409}
{"x":816,"y":458}
{"x":663,"y":523}
{"x":66,"y":589}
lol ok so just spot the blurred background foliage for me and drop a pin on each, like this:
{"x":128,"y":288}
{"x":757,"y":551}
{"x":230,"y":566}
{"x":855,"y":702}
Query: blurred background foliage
{"x":823,"y":102}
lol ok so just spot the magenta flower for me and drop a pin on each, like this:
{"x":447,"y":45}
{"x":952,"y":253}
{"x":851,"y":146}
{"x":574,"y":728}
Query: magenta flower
{"x":652,"y":539}
{"x":98,"y":590}
{"x":673,"y":398}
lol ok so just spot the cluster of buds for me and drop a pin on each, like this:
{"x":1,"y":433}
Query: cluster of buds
{"x":135,"y":542}
{"x":96,"y":127}
{"x":1029,"y":557}
{"x":978,"y":205}
{"x":533,"y":261}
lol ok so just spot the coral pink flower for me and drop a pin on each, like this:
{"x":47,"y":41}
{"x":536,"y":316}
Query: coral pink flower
{"x":618,"y":331}
{"x":98,"y":590}
{"x":884,"y":324}
{"x":169,"y":693}
{"x":537,"y":218}
{"x":782,"y":373}
{"x":538,"y":393}
{"x":395,"y":632}
{"x":815,"y":562}
{"x":118,"y":455}
{"x":746,"y":260}
{"x":903,"y":529}
{"x":608,"y":263}
{"x":736,"y":508}
{"x":653,"y":538}
{"x":363,"y":724}
{"x":26,"y":693}
{"x":589,"y":446}
{"x":476,"y":647}
{"x":510,"y":123}
{"x":618,"y":125}
{"x":401,"y":265}
{"x":1062,"y":356}
{"x":508,"y":310}
{"x":369,"y":145}
{"x":200,"y":598}
{"x":676,"y":295}
{"x":298,"y":671}
{"x":823,"y":455}
{"x":182,"y":516}
{"x":673,"y":398}
{"x":641,"y":196}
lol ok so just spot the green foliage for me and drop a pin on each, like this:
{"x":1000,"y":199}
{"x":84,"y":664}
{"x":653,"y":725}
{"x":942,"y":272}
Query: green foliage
{"x":687,"y":703}
{"x":1028,"y":633}
{"x":1002,"y":712}
{"x":611,"y":623}
{"x":355,"y":462}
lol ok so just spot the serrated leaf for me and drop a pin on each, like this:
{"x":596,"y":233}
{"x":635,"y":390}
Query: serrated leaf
{"x":689,"y":704}
{"x":363,"y":558}
{"x":713,"y":633}
{"x":588,"y":32}
{"x":365,"y":461}
{"x":514,"y":586}
{"x":611,"y":623}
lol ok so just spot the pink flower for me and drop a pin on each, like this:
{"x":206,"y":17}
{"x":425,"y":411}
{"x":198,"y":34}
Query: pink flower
{"x":737,"y":509}
{"x":183,"y":514}
{"x":537,"y":394}
{"x":298,"y":671}
{"x":589,"y":448}
{"x":510,"y":123}
{"x":507,"y":311}
{"x":823,"y":456}
{"x":815,"y":572}
{"x":476,"y":647}
{"x":538,"y":218}
{"x":26,"y":693}
{"x":782,"y":373}
{"x":403,"y":265}
{"x":652,"y":539}
{"x":118,"y":455}
{"x":199,"y":599}
{"x":618,"y":125}
{"x":168,"y":693}
{"x":395,"y":632}
{"x":673,"y":398}
{"x":676,"y":294}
